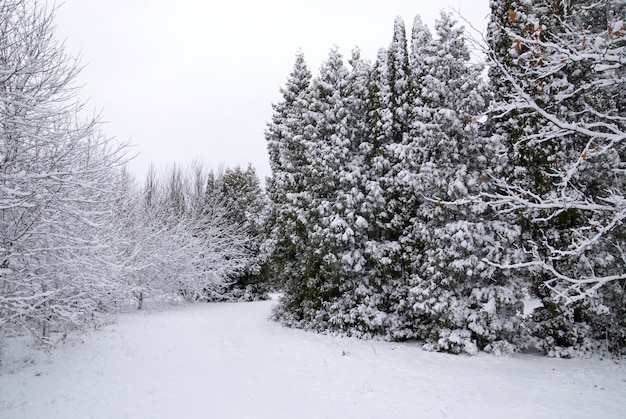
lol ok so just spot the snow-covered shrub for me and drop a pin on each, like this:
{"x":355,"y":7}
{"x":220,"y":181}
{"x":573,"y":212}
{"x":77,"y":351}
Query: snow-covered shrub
{"x":566,"y":330}
{"x":500,"y":348}
{"x":455,"y":341}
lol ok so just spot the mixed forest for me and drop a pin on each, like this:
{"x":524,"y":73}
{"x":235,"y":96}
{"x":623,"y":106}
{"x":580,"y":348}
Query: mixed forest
{"x":79,"y":236}
{"x":414,"y":196}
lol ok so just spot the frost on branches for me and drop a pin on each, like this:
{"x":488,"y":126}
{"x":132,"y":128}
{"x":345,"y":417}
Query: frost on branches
{"x":234,"y":198}
{"x":180,"y":239}
{"x":559,"y":73}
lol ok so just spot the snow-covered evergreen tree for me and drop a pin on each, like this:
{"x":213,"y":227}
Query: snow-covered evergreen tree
{"x":328,"y":261}
{"x":398,"y":211}
{"x":385,"y":207}
{"x":421,"y":43}
{"x":287,"y":188}
{"x":460,"y":303}
{"x":329,"y":151}
{"x":239,"y":192}
{"x":357,"y":310}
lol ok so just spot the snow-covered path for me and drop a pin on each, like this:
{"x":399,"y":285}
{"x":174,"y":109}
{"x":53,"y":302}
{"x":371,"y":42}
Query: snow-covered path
{"x":229,"y":361}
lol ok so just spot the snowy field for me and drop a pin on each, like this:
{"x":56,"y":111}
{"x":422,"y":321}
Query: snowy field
{"x":229,"y":361}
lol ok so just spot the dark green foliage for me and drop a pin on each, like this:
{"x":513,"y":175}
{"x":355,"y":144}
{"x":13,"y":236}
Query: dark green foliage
{"x":411,"y":200}
{"x":365,"y":221}
{"x":239,"y":192}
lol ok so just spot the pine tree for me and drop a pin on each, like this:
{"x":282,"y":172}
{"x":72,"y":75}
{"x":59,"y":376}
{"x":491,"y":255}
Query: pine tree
{"x":399,"y":74}
{"x":357,"y":312}
{"x":421,"y":40}
{"x":331,"y":152}
{"x":239,"y":192}
{"x":325,"y":262}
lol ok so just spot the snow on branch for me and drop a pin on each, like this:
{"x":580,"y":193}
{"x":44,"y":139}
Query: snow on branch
{"x":561,"y":82}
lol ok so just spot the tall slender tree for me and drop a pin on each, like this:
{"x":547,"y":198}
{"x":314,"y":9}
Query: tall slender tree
{"x":329,"y":143}
{"x":287,"y":190}
{"x":389,"y":110}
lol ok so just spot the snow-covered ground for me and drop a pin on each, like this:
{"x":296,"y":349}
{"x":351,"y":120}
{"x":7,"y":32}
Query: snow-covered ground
{"x":229,"y":361}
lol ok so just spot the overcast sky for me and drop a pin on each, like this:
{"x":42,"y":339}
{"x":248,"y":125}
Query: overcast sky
{"x":195,"y":79}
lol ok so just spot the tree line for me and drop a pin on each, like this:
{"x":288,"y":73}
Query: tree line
{"x":78,"y":235}
{"x":418,"y":197}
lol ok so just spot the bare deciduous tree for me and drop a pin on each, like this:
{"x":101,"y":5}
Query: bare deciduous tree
{"x":560,"y":67}
{"x":55,"y":173}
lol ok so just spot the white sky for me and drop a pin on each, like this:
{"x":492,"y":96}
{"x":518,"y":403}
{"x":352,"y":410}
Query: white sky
{"x":194,"y":79}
